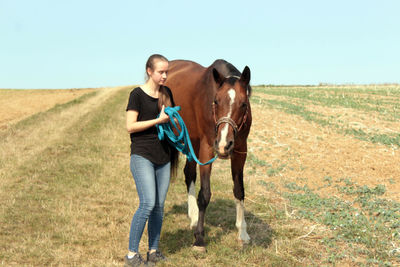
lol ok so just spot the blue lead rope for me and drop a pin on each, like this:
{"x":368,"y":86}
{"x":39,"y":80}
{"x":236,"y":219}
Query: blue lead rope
{"x":181,"y":141}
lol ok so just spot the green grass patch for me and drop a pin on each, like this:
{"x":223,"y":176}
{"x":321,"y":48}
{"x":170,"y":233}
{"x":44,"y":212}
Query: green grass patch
{"x":385,"y":139}
{"x":368,"y":222}
{"x":343,"y":97}
{"x":300,"y":110}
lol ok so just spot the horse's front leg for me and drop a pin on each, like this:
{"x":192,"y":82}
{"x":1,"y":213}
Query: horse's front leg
{"x":237,"y":164}
{"x":203,"y":198}
{"x":190,"y":179}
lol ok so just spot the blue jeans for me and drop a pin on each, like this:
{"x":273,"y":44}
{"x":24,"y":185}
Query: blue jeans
{"x":152,"y":183}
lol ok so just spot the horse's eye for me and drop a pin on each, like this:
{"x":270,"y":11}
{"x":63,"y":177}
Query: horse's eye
{"x":215,"y":101}
{"x":244,"y":105}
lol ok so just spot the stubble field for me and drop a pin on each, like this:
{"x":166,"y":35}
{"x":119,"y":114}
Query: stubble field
{"x":16,"y":105}
{"x":322,"y":183}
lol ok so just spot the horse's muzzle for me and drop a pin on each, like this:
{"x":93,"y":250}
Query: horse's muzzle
{"x":224,"y":151}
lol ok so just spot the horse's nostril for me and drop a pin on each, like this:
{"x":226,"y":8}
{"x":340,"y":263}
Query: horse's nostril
{"x":229,"y":145}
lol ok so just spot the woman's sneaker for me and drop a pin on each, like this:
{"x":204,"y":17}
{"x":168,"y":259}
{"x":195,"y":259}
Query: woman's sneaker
{"x":137,"y":260}
{"x":155,"y":257}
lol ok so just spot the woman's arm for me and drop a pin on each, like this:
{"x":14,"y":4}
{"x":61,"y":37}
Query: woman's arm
{"x":133,"y":126}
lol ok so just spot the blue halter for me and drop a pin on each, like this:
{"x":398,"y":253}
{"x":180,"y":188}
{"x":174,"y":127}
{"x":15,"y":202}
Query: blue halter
{"x":181,"y":141}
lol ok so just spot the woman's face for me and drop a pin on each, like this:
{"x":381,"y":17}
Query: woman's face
{"x":160,"y":72}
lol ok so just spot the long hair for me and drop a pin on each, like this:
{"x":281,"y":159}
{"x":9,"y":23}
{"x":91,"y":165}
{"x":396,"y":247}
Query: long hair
{"x":163,"y":99}
{"x":163,"y":96}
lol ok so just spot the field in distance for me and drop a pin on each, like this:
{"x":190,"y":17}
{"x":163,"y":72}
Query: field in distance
{"x":19,"y":104}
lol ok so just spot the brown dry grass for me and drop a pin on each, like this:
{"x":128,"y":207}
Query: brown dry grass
{"x":67,"y":196}
{"x":19,"y":104}
{"x":47,"y":216}
{"x":19,"y":146}
{"x":311,"y":152}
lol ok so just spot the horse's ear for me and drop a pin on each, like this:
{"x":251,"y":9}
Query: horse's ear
{"x":245,"y":77}
{"x":218,"y":78}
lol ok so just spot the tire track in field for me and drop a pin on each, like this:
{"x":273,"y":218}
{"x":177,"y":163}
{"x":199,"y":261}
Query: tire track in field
{"x":17,"y":105}
{"x":20,"y":145}
{"x":45,"y":210}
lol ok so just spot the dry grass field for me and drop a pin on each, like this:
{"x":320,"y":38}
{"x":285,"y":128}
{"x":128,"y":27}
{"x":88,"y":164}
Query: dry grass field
{"x":322,"y":183}
{"x":16,"y":105}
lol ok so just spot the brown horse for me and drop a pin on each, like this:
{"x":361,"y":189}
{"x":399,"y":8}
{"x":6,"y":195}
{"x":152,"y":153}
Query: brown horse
{"x":216,"y":109}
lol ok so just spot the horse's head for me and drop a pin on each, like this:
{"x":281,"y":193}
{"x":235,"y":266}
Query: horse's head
{"x":230,"y":107}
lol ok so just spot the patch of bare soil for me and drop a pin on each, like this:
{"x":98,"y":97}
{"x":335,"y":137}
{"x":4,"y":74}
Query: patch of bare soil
{"x":305,"y":153}
{"x":16,"y":105}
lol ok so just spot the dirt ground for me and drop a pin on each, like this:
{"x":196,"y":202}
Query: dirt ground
{"x":308,"y":154}
{"x":16,"y":105}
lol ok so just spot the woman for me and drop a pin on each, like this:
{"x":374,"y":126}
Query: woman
{"x":151,"y":159}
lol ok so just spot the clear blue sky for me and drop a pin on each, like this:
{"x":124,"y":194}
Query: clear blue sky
{"x":88,"y":43}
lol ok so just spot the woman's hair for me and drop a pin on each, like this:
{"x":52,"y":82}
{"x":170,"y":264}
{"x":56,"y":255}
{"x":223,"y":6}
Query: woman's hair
{"x":163,"y":96}
{"x":163,"y":99}
{"x":152,"y":61}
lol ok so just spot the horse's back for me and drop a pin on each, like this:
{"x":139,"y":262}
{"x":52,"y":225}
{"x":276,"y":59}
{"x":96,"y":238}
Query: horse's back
{"x":183,"y":75}
{"x":184,"y":65}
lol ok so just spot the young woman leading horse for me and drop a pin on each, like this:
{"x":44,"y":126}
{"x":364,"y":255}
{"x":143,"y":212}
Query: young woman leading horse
{"x":151,"y":159}
{"x":216,"y":110}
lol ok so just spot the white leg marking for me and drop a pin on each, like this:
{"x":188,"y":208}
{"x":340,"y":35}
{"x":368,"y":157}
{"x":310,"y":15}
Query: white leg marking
{"x":240,"y":222}
{"x":193,"y":210}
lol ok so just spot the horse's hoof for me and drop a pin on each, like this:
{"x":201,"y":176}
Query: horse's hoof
{"x":243,"y":243}
{"x":246,"y":241}
{"x":193,"y":226}
{"x":199,"y":249}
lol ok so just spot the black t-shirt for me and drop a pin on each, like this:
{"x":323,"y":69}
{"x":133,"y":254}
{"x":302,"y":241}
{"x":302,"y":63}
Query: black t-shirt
{"x":146,"y":143}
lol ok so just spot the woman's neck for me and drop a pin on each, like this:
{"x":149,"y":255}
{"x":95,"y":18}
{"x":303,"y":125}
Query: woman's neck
{"x":151,"y":88}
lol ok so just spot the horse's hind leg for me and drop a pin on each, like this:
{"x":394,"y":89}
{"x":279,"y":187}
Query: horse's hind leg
{"x":190,"y":179}
{"x":237,"y":165}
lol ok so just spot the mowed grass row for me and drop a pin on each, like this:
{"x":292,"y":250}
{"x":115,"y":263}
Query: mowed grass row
{"x":333,"y":97}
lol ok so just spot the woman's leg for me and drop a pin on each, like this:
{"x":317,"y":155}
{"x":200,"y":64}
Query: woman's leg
{"x":143,"y":172}
{"x":156,"y":217}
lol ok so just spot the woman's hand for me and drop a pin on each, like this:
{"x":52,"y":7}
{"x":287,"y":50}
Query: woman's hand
{"x":134,"y":126}
{"x":164,"y":118}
